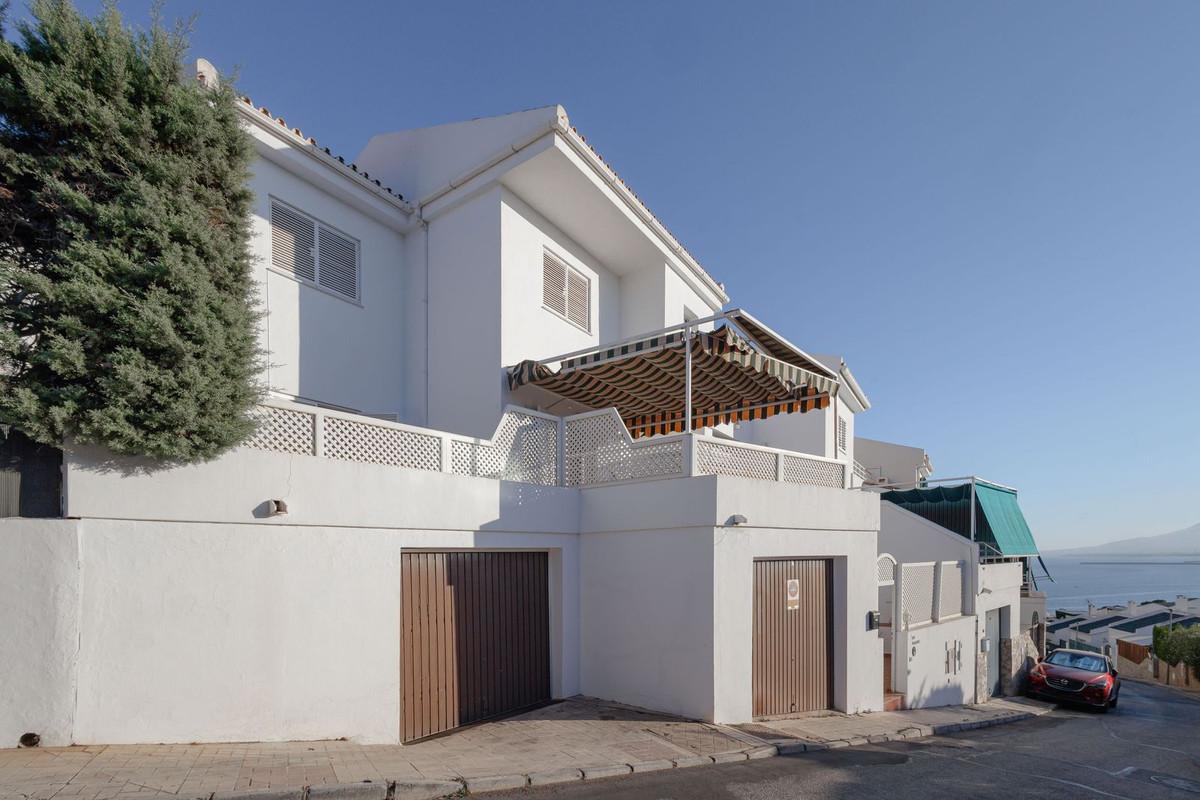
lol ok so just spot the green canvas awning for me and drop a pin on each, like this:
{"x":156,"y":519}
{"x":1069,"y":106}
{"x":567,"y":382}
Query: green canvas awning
{"x":1009,"y":531}
{"x":999,"y":523}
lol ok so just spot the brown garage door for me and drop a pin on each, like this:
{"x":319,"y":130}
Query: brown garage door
{"x":793,"y":635}
{"x":475,"y":638}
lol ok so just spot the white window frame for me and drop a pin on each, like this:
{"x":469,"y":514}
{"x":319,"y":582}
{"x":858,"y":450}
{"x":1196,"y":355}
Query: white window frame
{"x":318,"y":223}
{"x":570,"y":268}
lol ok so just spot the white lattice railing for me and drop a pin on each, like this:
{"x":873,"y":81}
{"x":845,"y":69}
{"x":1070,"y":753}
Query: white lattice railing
{"x":930,"y":591}
{"x":597,"y":449}
{"x":723,"y":457}
{"x":593,"y":448}
{"x":524,"y":447}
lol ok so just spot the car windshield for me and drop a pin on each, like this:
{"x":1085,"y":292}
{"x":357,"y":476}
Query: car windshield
{"x":1077,"y":661}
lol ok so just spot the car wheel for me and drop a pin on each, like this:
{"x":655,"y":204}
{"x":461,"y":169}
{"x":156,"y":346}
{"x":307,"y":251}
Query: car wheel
{"x":1113,"y":703}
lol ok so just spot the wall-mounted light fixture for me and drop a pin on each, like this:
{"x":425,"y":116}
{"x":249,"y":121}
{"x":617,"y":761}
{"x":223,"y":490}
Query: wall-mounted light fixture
{"x":277,"y":508}
{"x":736,"y":519}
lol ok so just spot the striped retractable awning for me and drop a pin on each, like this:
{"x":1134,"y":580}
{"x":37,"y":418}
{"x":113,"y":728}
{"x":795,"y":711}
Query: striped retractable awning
{"x":645,"y":382}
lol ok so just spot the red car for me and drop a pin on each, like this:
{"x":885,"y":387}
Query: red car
{"x":1076,"y":676}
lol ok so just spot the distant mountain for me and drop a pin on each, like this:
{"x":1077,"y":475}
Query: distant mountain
{"x":1178,"y":543}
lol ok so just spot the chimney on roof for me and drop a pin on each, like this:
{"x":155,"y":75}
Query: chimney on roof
{"x":1181,"y":603}
{"x":206,"y":74}
{"x":1132,"y":608}
{"x":1091,"y":612}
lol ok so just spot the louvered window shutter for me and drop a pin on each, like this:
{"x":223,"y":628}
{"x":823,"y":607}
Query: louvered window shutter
{"x":293,"y":242}
{"x":554,"y":283}
{"x":579,"y":301}
{"x":338,"y":260}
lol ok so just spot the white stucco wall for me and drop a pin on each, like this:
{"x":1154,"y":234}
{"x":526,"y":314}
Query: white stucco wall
{"x":811,"y":432}
{"x":800,"y":521}
{"x":911,"y":538}
{"x":201,"y":619}
{"x":529,"y":330}
{"x":899,"y":463}
{"x":320,"y":345}
{"x":646,"y":610}
{"x":39,"y":608}
{"x":929,"y":679}
{"x":1000,"y":587}
{"x":465,"y":384}
{"x":667,"y":589}
{"x":232,"y":633}
{"x":318,"y":491}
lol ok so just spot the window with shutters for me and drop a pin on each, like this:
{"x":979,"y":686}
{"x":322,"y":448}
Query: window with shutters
{"x":566,"y":291}
{"x":313,"y":252}
{"x":841,"y":435}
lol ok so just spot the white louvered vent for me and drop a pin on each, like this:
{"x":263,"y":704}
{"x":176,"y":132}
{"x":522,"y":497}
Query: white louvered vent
{"x":293,"y":242}
{"x":566,"y":291}
{"x":842,"y":437}
{"x":338,"y":256}
{"x":313,"y":252}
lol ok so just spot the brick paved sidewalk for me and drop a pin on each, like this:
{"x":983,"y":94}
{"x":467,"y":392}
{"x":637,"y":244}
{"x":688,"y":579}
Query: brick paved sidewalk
{"x":577,"y":733}
{"x":841,"y":730}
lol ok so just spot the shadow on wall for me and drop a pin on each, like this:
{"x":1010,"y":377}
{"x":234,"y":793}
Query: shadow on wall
{"x":30,"y":477}
{"x":943,"y":695}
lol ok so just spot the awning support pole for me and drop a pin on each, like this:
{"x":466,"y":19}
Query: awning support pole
{"x":973,"y":514}
{"x":687,"y":377}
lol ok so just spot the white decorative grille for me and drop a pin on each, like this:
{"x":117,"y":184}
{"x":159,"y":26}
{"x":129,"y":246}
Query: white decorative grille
{"x":916,"y":593}
{"x":724,"y":459}
{"x":885,"y":568}
{"x":798,"y":469}
{"x":524,"y":448}
{"x":598,"y":450}
{"x":282,"y":430}
{"x":350,"y":440}
{"x":950,"y":589}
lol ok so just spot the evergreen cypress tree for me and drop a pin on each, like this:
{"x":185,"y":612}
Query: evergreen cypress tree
{"x":126,"y":296}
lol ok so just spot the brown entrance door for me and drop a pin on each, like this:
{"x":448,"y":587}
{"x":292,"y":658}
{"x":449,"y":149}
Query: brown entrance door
{"x":475,"y":638}
{"x":793,"y":635}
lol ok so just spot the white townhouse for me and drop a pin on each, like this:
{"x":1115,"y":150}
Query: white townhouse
{"x":962,"y":619}
{"x":517,"y":446}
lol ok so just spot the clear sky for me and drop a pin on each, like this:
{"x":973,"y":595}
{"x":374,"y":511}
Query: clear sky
{"x":991,"y":210}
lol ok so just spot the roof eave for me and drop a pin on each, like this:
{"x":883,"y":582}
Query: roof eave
{"x":275,"y":126}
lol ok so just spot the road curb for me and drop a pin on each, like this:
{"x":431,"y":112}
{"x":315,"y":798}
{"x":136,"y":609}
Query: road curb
{"x":757,"y":748}
{"x":790,"y":747}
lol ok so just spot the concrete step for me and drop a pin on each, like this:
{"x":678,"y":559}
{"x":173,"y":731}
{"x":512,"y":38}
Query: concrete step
{"x":893,"y":701}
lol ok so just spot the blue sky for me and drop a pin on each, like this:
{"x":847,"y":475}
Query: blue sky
{"x":991,"y":210}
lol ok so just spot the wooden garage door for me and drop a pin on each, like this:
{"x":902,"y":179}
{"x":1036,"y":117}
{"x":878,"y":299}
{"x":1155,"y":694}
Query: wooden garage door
{"x":475,"y":638}
{"x":793,"y":636}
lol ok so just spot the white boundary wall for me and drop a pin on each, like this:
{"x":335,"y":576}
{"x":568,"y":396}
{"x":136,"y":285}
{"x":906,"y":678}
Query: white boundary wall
{"x":185,"y":613}
{"x":39,"y":618}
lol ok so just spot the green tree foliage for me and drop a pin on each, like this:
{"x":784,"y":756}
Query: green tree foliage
{"x":1175,"y":645}
{"x":126,"y":307}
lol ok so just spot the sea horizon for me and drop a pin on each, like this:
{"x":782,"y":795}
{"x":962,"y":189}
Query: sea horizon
{"x":1114,"y":579}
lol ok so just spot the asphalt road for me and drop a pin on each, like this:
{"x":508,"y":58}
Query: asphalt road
{"x":1148,"y":748}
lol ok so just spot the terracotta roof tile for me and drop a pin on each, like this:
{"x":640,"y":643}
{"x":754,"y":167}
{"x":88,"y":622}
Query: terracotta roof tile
{"x":298,"y":134}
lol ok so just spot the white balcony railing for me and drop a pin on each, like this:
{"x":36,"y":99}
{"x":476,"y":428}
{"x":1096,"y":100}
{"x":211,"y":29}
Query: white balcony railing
{"x":587,"y":449}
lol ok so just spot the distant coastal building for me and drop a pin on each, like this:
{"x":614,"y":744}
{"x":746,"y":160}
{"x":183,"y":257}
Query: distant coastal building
{"x":1099,"y":628}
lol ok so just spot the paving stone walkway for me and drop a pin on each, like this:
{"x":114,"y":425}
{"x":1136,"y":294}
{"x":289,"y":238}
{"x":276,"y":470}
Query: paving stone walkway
{"x":841,"y":730}
{"x":575,"y":734}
